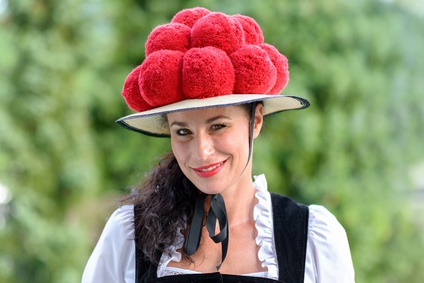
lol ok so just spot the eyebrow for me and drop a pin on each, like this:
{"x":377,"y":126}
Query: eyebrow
{"x":208,"y":121}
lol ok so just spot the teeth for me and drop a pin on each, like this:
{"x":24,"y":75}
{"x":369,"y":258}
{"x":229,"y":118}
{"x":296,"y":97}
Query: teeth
{"x":210,"y":168}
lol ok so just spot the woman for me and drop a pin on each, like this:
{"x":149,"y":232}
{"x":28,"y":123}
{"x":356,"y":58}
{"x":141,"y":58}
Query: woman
{"x":207,"y":82}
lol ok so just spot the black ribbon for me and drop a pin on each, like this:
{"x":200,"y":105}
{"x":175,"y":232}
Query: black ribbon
{"x":217,"y":212}
{"x":193,"y":237}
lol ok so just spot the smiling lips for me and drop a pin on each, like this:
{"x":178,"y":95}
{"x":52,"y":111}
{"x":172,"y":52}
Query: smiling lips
{"x":209,"y":170}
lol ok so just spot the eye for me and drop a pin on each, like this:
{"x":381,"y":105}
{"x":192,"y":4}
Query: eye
{"x":182,"y":132}
{"x":217,"y":127}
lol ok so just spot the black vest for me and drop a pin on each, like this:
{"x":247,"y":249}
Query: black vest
{"x":290,"y":232}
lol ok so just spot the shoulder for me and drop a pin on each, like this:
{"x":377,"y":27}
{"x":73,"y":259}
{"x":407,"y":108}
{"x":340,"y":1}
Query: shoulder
{"x":122,"y":218}
{"x":328,"y":256}
{"x":113,"y":255}
{"x":324,"y":230}
{"x":323,"y":225}
{"x":289,"y":215}
{"x":120,"y":226}
{"x":328,"y":253}
{"x":287,"y":205}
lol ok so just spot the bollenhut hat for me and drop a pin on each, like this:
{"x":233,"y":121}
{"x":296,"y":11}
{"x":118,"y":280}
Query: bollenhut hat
{"x":205,"y":59}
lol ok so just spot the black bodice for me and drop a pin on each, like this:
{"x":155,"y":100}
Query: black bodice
{"x":290,"y":233}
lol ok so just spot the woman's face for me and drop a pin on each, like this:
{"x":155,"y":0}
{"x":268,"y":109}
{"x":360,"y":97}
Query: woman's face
{"x":212,"y":145}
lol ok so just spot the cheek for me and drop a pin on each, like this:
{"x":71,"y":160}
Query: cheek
{"x":181,"y":153}
{"x":177,"y":150}
{"x":236,"y":145}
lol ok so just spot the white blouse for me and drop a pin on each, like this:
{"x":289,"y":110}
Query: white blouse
{"x":328,"y":256}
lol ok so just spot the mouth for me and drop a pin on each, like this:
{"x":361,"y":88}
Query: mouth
{"x":209,"y":170}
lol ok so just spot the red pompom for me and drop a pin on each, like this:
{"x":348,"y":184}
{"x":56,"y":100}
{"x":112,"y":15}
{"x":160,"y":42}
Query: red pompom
{"x":189,"y":17}
{"x":252,"y":31}
{"x":204,"y":54}
{"x":168,"y":37}
{"x":160,"y":78}
{"x":218,"y":30}
{"x":281,"y":65}
{"x":207,"y":72}
{"x":254,"y":70}
{"x":131,"y":92}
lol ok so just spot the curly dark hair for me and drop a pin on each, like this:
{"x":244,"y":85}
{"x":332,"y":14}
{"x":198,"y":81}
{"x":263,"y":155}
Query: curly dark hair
{"x":163,"y":203}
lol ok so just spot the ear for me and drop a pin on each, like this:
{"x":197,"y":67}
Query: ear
{"x":259,"y":118}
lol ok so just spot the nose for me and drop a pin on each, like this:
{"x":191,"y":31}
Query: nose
{"x":203,"y":146}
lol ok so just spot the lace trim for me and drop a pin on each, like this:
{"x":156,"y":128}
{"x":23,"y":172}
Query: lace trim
{"x":170,"y":271}
{"x":262,"y":214}
{"x":178,"y":271}
{"x":170,"y":254}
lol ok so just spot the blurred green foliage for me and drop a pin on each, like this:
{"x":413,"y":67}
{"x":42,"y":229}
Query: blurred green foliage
{"x":65,"y":162}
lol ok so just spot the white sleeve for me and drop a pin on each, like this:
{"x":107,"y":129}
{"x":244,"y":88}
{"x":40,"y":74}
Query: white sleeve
{"x":328,"y":256}
{"x":113,"y":258}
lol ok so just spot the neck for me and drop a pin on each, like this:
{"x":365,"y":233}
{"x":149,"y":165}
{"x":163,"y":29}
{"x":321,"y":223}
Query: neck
{"x":240,"y":202}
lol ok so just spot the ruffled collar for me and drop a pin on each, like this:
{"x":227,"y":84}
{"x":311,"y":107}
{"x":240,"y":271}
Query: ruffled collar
{"x":262,"y":214}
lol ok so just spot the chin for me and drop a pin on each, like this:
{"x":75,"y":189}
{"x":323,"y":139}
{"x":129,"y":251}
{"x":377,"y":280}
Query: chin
{"x":210,"y":189}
